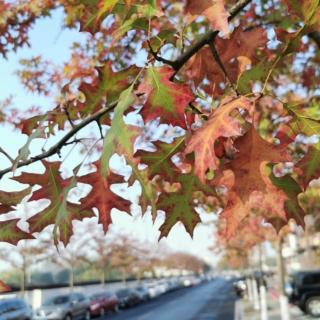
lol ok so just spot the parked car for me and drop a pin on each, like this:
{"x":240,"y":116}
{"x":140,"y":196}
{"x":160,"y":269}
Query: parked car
{"x":143,"y":292}
{"x":154,"y":289}
{"x":174,"y":284}
{"x":102,"y":302}
{"x":14,"y":309}
{"x":128,"y":297}
{"x":304,"y":291}
{"x":64,"y":307}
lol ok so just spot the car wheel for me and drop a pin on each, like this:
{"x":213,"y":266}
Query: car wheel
{"x":313,"y":306}
{"x":67,"y":317}
{"x":87,"y":315}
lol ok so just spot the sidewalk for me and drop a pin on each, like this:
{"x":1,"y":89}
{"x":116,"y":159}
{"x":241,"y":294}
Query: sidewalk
{"x":245,"y":309}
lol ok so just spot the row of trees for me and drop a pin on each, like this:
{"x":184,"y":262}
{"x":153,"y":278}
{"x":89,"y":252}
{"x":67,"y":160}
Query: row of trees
{"x":119,"y":256}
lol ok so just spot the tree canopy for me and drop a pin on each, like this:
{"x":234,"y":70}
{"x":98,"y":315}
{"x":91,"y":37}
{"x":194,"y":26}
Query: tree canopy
{"x":225,"y":101}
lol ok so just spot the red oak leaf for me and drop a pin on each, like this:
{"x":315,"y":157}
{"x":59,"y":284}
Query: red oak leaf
{"x":220,"y":124}
{"x":101,"y":197}
{"x":235,"y":54}
{"x":165,"y":98}
{"x":60,"y":211}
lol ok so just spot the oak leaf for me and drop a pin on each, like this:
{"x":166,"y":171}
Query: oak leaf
{"x":10,"y":199}
{"x":252,"y":188}
{"x":100,"y":196}
{"x":236,"y":54}
{"x":213,"y":10}
{"x":160,"y":161}
{"x":105,"y":88}
{"x":248,"y":164}
{"x":220,"y":124}
{"x":165,"y":99}
{"x":60,"y":211}
{"x":309,"y":166}
{"x":11,"y":233}
{"x":180,"y":205}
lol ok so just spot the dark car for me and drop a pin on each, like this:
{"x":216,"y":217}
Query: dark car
{"x":305,"y":291}
{"x":102,"y":302}
{"x":14,"y":309}
{"x":240,"y":287}
{"x":128,"y":298}
{"x":64,"y":307}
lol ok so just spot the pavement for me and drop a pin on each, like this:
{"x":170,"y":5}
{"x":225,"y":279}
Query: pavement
{"x":214,"y":300}
{"x":245,"y":311}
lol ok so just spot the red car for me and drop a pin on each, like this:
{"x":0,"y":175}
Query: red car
{"x":100,"y":303}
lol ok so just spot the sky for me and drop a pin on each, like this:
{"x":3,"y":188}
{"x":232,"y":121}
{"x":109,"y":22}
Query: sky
{"x":52,"y":42}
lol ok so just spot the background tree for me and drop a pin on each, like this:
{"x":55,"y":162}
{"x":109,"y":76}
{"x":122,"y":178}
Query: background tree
{"x":124,"y":255}
{"x":24,"y":256}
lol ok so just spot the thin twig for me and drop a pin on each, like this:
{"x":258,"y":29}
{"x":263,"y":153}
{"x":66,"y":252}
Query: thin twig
{"x":6,"y":154}
{"x":216,"y":57}
{"x":159,"y":58}
{"x":100,"y":128}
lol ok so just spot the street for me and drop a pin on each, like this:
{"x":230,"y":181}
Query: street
{"x":213,"y":300}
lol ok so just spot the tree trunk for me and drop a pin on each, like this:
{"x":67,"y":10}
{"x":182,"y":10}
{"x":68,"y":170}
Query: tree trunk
{"x":71,"y":279}
{"x":103,"y":277}
{"x":23,"y":282}
{"x":124,"y":278}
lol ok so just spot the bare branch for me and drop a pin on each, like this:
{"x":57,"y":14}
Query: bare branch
{"x":55,"y":149}
{"x":207,"y":37}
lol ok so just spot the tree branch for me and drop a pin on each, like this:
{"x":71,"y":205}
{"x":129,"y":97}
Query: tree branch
{"x":64,"y":140}
{"x":176,"y":65}
{"x":159,"y":58}
{"x":206,"y":38}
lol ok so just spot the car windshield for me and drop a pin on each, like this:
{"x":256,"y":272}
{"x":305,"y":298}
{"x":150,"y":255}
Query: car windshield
{"x":57,"y":300}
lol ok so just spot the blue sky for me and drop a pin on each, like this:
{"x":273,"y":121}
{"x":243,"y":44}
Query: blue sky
{"x":52,"y":42}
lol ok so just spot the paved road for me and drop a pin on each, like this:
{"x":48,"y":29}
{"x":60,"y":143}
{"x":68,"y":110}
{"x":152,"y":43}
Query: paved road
{"x":209,"y":301}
